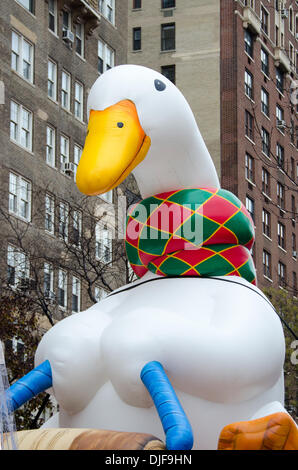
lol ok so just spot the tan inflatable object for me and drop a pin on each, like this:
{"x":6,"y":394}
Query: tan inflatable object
{"x":85,"y":439}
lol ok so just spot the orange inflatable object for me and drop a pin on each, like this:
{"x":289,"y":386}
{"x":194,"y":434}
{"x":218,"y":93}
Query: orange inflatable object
{"x":273,"y":432}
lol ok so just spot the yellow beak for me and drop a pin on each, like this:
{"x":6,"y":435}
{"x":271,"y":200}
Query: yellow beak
{"x":114,"y":146}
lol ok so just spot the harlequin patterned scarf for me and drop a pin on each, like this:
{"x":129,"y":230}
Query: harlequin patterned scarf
{"x":191,"y":232}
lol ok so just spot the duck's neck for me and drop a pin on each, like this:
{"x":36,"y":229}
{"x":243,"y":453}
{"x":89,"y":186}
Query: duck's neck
{"x":176,"y":165}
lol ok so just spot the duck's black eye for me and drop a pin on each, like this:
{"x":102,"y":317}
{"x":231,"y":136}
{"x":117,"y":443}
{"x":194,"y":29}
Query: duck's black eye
{"x":120,"y":124}
{"x":159,"y":85}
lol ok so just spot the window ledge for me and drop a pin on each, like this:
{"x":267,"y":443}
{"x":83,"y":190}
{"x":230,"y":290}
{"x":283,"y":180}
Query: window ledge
{"x":250,"y":182}
{"x":138,"y":50}
{"x":266,"y":115}
{"x":81,"y":57}
{"x":26,"y":9}
{"x":168,"y":50}
{"x":26,"y":221}
{"x":79,"y":120}
{"x":53,"y":101}
{"x":268,"y":278}
{"x":54,"y":34}
{"x":21,"y":147}
{"x":266,"y":155}
{"x":282,"y":249}
{"x":250,"y":99}
{"x":251,"y":141}
{"x":23,"y":78}
{"x":282,"y":133}
{"x":251,"y":58}
{"x":266,"y":236}
{"x":265,"y":75}
{"x":266,"y":196}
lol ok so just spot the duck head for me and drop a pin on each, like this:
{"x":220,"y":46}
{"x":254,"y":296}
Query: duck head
{"x":140,"y":122}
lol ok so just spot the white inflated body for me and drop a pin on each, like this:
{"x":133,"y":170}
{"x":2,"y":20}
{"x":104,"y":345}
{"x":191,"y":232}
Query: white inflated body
{"x":219,"y":340}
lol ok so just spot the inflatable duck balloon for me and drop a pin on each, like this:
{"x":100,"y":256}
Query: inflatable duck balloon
{"x":194,"y":320}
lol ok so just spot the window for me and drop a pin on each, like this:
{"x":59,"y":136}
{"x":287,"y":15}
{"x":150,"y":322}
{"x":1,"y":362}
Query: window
{"x":267,"y":264}
{"x":20,"y":125}
{"x":51,"y":146}
{"x":249,"y":125}
{"x":76,"y":294}
{"x":265,"y":101}
{"x":280,"y":196}
{"x":280,"y":155}
{"x":281,"y":230}
{"x":265,"y":142}
{"x":295,"y":291}
{"x":19,"y":197}
{"x":63,"y":221}
{"x":248,"y":43}
{"x":107,"y":9}
{"x":18,"y":267}
{"x":49,"y":214}
{"x":22,"y":59}
{"x":279,"y":116}
{"x":265,"y":62}
{"x":52,"y":80}
{"x":103,"y":244}
{"x":53,"y":15}
{"x":265,"y":182}
{"x":248,"y":84}
{"x":250,"y":206}
{"x":106,"y":57}
{"x":249,"y":167}
{"x":28,"y":4}
{"x":100,"y":293}
{"x":136,"y":39}
{"x":136,"y":4}
{"x":78,"y":104}
{"x":168,"y":3}
{"x":294,"y":248}
{"x":276,"y":35}
{"x":291,"y":53}
{"x":279,"y":80}
{"x":282,"y":274}
{"x":64,"y":151}
{"x":168,"y":37}
{"x":62,"y":288}
{"x":48,"y":280}
{"x":169,"y":71}
{"x":66,"y":21}
{"x":65,"y":90}
{"x":77,"y":152}
{"x":293,"y":206}
{"x":266,"y":220}
{"x":76,"y":228}
{"x":264,"y":20}
{"x":80,"y":39}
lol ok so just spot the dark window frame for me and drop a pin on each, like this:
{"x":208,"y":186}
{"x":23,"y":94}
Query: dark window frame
{"x":137,"y":41}
{"x":168,"y":42}
{"x":169,"y":71}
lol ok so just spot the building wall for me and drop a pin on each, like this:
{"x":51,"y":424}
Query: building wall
{"x":196,"y":57}
{"x":33,"y":96}
{"x":234,"y":102}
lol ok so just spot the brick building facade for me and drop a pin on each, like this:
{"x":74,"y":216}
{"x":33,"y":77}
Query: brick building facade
{"x":52,"y":51}
{"x":259,"y":128}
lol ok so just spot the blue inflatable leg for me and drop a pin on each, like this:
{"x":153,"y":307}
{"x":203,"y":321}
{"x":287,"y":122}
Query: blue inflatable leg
{"x":173,"y":418}
{"x":33,"y":383}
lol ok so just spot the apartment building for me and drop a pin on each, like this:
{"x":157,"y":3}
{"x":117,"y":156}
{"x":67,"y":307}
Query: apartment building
{"x":52,"y":51}
{"x":236,"y":63}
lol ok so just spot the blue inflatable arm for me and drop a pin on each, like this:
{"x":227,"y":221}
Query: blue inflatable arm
{"x":36,"y":381}
{"x":173,"y":418}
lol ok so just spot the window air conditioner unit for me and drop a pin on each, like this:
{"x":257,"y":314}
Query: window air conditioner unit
{"x":67,"y":35}
{"x":284,"y":13}
{"x":69,"y":168}
{"x":281,"y":124}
